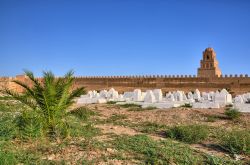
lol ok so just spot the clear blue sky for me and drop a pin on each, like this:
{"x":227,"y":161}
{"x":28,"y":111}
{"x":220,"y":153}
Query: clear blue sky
{"x":122,"y":37}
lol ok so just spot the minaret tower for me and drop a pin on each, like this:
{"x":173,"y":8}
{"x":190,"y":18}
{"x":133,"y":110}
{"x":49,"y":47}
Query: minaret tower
{"x":209,"y":65}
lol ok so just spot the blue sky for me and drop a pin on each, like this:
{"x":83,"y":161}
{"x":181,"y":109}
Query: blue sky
{"x":122,"y":37}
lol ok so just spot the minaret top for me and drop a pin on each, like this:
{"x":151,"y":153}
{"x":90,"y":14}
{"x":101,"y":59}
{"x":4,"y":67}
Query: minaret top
{"x":209,"y":64}
{"x":209,"y":49}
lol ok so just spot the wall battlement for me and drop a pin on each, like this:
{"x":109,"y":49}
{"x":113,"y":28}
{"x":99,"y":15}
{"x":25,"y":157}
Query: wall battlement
{"x":157,"y":76}
{"x":235,"y":83}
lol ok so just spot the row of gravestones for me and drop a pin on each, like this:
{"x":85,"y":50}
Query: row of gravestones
{"x":156,"y":96}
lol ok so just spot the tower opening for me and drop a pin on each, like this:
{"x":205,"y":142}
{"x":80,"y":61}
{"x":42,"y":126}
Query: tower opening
{"x":209,"y":65}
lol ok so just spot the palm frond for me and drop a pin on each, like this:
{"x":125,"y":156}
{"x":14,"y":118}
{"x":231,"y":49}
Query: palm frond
{"x":25,"y":86}
{"x":31,"y":76}
{"x":50,"y":95}
{"x":77,"y":93}
{"x":22,"y":98}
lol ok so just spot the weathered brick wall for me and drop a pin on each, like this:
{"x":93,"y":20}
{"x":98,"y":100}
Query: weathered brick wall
{"x":237,"y":83}
{"x":6,"y":82}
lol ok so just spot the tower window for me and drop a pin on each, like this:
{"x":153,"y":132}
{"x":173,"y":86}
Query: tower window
{"x":207,"y":57}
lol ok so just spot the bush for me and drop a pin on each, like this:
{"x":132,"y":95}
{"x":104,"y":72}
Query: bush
{"x":187,"y":105}
{"x":232,"y":114}
{"x":82,"y":113}
{"x":50,"y":98}
{"x":111,"y":102}
{"x":130,"y":105}
{"x":8,"y":128}
{"x":29,"y":125}
{"x":188,"y":133}
{"x":236,"y":141}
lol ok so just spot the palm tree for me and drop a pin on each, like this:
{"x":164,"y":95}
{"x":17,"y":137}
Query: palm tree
{"x":50,"y":97}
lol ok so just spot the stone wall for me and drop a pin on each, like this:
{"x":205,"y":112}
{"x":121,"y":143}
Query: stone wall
{"x":237,"y":84}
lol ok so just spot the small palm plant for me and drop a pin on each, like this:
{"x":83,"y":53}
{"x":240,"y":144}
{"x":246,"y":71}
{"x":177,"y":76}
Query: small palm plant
{"x":50,"y":98}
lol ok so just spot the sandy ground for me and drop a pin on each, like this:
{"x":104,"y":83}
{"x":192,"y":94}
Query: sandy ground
{"x":170,"y":117}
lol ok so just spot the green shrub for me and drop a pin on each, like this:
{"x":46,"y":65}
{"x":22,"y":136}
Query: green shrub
{"x":82,"y":113}
{"x":111,"y":102}
{"x":8,"y":128}
{"x":232,"y":114}
{"x":187,"y":105}
{"x":130,"y":105}
{"x":188,"y":133}
{"x":236,"y":141}
{"x":50,"y":98}
{"x":29,"y":124}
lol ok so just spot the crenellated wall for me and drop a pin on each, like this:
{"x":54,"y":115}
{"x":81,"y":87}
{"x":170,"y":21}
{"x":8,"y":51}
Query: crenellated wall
{"x":236,"y":83}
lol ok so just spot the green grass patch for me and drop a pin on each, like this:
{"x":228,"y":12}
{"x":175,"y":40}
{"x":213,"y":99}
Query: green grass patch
{"x":11,"y":106}
{"x":6,"y":98}
{"x":232,"y":113}
{"x":212,"y":118}
{"x":8,"y":127}
{"x":151,"y":128}
{"x":188,"y":133}
{"x":76,"y":128}
{"x":236,"y":141}
{"x":7,"y":158}
{"x":23,"y":157}
{"x":152,"y":152}
{"x":116,"y":117}
{"x":214,"y":160}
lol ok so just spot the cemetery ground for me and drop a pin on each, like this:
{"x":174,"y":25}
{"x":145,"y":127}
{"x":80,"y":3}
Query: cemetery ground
{"x":128,"y":134}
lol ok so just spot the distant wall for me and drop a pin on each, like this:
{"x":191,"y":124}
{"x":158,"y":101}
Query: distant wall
{"x":237,"y":84}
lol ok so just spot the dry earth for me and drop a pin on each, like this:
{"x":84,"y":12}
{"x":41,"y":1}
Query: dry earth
{"x":114,"y":121}
{"x":168,"y":117}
